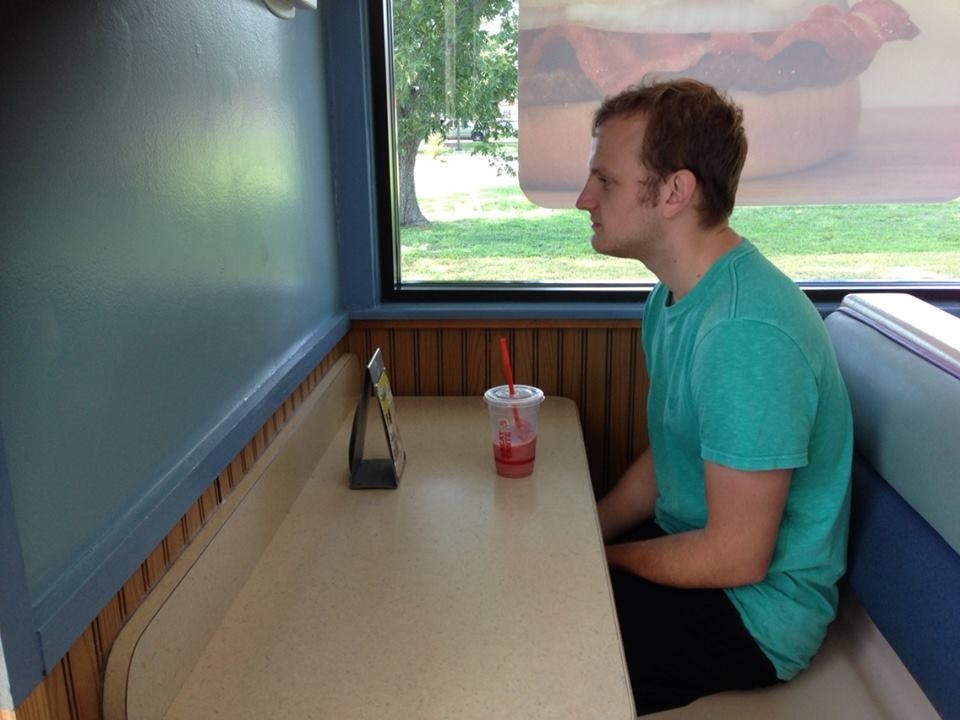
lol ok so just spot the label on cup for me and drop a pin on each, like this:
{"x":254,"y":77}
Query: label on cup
{"x":504,"y":440}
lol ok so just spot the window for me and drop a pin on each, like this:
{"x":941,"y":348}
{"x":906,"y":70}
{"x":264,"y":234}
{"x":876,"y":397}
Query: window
{"x":477,"y":211}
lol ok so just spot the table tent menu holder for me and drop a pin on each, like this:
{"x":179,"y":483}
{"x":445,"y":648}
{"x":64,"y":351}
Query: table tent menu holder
{"x":383,"y":473}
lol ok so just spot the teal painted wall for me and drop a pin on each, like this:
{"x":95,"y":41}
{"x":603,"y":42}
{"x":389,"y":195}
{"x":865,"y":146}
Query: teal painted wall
{"x":168,"y":254}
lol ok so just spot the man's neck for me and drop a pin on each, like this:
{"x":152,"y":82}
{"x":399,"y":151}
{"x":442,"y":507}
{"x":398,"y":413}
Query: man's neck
{"x":690,"y":256}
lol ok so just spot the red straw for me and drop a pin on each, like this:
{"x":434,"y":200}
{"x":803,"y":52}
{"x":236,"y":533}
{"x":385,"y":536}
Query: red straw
{"x":505,"y":356}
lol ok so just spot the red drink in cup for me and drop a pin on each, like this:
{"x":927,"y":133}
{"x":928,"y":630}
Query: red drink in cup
{"x":515,"y":460}
{"x":514,"y":423}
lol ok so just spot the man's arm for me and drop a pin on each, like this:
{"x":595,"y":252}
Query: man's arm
{"x":631,"y":500}
{"x":735,"y":548}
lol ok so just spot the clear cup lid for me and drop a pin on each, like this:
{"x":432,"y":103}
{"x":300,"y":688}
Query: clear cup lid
{"x":523,"y":396}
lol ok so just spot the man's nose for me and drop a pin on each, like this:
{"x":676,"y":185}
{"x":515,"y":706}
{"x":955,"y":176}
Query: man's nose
{"x":585,"y":200}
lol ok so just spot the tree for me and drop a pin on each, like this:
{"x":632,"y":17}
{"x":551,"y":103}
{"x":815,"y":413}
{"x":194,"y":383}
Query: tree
{"x":454,"y":61}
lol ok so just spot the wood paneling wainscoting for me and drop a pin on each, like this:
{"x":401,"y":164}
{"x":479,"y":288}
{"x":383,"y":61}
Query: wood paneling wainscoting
{"x":596,"y":363}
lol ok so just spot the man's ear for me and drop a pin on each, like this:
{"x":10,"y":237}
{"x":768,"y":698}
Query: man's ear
{"x":679,"y":190}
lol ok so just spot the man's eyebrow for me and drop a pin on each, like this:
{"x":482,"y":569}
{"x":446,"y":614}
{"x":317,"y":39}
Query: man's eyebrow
{"x":599,"y":169}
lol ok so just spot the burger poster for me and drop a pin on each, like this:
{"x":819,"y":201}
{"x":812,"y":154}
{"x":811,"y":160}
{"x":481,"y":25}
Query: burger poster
{"x":843,"y":102}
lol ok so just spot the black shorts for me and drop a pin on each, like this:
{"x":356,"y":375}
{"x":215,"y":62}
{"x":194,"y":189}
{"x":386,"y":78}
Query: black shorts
{"x":681,"y":644}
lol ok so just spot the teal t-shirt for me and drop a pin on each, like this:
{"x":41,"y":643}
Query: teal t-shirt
{"x":742,"y":374}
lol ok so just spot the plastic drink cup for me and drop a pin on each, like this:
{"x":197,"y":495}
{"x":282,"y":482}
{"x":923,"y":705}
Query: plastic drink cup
{"x":514,"y":422}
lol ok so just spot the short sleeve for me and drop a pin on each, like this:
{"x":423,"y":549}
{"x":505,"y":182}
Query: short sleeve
{"x":755,"y":395}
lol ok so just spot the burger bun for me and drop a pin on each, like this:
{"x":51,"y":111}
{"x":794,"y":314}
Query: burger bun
{"x":786,"y":131}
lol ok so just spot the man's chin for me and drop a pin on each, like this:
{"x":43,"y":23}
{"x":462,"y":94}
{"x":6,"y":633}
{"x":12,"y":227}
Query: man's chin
{"x":604,"y":248}
{"x":624,"y":250}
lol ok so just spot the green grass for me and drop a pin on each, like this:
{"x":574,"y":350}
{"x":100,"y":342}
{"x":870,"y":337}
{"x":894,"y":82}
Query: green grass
{"x":495,"y":233}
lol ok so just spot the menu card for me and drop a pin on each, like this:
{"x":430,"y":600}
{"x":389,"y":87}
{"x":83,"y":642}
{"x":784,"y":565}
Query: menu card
{"x":376,"y":472}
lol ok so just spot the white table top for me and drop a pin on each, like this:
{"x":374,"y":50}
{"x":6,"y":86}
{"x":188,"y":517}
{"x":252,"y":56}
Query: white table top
{"x":460,"y":594}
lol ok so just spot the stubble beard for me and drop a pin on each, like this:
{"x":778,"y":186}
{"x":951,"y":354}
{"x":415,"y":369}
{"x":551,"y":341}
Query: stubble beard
{"x":628,"y":248}
{"x":636,"y":247}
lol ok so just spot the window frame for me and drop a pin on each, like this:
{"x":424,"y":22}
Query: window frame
{"x":825,"y":294}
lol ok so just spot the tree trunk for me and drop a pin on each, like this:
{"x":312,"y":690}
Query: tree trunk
{"x":450,"y":59}
{"x":410,"y":213}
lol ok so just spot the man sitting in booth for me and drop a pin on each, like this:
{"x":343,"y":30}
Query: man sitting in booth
{"x":727,"y":536}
